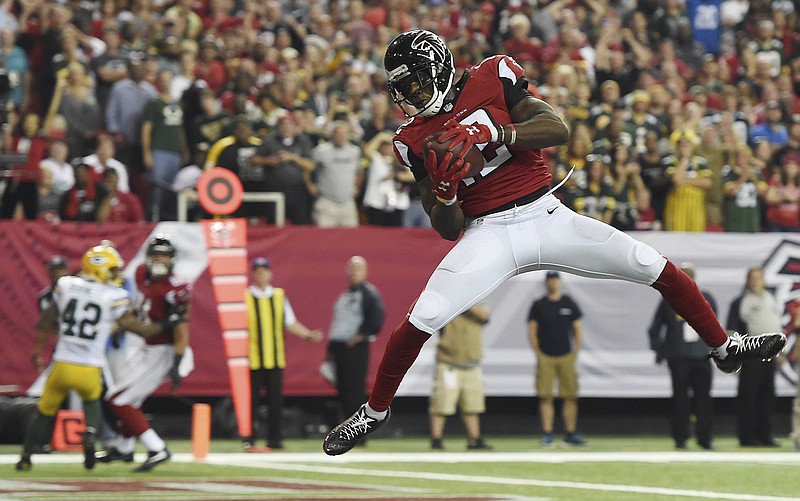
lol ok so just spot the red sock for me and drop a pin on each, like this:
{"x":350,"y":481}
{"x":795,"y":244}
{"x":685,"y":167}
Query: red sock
{"x":133,"y":420}
{"x":401,"y":351}
{"x":682,"y":295}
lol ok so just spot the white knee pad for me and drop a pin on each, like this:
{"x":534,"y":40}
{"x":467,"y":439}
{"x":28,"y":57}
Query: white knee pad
{"x":646,"y":260}
{"x":431,"y":312}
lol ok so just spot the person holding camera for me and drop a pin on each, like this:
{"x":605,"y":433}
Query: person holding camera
{"x":386,"y":196}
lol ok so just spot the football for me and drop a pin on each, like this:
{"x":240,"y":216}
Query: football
{"x":474,"y":156}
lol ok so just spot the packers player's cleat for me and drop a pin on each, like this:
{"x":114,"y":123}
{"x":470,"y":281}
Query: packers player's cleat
{"x":89,"y":459}
{"x":762,"y":347}
{"x":24,"y":463}
{"x":353,"y":430}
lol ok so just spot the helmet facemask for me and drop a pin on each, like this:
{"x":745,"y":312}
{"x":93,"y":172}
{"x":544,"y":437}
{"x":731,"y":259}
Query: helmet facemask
{"x":160,"y":257}
{"x":159,"y":268}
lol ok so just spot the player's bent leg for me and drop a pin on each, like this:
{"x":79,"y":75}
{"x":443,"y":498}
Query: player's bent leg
{"x":594,"y":249}
{"x":587,"y":247}
{"x":478,"y":264}
{"x":681,"y":293}
{"x":590,"y":248}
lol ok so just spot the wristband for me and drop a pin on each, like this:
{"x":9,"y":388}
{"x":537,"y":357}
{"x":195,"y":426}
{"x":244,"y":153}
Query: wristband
{"x":513,"y":135}
{"x":445,"y":201}
{"x":495,"y":133}
{"x":502,"y":134}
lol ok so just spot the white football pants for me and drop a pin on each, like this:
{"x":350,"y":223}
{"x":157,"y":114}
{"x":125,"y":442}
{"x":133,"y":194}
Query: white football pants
{"x":543,"y":235}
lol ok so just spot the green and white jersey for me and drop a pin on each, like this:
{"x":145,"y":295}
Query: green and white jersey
{"x":87,"y":311}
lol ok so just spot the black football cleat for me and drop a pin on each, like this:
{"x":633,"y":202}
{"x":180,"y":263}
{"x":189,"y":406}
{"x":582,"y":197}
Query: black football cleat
{"x":762,"y":347}
{"x":113,"y":454}
{"x":89,"y":459}
{"x":24,"y":463}
{"x":352,"y":431}
{"x":154,"y":459}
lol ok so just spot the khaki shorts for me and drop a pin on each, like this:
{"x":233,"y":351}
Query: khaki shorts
{"x":457,"y":388}
{"x":562,"y":369}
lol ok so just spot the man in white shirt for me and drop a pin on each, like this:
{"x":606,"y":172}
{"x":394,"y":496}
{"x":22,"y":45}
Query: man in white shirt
{"x":103,"y":159}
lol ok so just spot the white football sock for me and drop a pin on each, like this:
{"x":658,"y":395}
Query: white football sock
{"x":125,"y":444}
{"x":721,"y":352}
{"x":379,"y":415}
{"x":152,"y":441}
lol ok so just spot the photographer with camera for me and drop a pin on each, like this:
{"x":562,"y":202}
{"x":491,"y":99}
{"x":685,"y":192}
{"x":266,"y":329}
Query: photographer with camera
{"x":387,"y":183}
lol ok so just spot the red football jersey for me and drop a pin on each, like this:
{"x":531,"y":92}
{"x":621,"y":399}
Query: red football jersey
{"x":485,"y":96}
{"x":154,"y":299}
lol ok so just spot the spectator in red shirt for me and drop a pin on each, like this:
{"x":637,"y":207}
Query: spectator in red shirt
{"x":209,"y":67}
{"x":521,"y":45}
{"x":219,"y":18}
{"x":21,"y":179}
{"x":122,"y":207}
{"x":87,"y":200}
{"x":242,"y":83}
{"x":393,"y":13}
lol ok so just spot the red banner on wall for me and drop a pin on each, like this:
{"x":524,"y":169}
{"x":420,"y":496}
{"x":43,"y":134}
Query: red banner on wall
{"x":309,"y":263}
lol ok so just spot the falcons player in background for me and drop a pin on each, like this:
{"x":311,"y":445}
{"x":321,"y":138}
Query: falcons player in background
{"x":162,"y":298}
{"x":511,"y":220}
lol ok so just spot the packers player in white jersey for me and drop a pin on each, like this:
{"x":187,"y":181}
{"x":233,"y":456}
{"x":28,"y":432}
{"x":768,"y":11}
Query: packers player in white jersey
{"x":83,"y":311}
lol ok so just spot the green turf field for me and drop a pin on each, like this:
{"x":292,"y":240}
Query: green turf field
{"x":613,"y":469}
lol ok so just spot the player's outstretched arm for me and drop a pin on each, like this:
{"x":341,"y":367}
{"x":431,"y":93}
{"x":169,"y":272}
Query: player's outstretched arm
{"x":537,"y":125}
{"x":129,"y":322}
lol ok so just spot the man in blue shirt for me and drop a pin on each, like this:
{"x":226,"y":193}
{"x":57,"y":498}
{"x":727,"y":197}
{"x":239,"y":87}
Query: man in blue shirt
{"x":771,"y":129}
{"x":555,"y":328}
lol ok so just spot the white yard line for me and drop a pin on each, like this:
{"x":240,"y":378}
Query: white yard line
{"x":520,"y":482}
{"x":346,"y":465}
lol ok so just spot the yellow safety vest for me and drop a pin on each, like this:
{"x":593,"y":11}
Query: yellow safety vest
{"x":265,"y":331}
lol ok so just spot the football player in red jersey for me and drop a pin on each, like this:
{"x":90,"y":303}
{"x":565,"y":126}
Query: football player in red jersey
{"x":511,"y":221}
{"x":161,"y":298}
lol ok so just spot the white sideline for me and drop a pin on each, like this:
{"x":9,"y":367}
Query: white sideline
{"x":787,"y":458}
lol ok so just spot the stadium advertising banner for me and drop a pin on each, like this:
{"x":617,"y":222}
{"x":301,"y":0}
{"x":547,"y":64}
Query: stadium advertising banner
{"x":310,"y":264}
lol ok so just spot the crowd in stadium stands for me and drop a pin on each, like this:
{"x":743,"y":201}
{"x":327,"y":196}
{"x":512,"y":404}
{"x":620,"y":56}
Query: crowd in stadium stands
{"x":684,"y":114}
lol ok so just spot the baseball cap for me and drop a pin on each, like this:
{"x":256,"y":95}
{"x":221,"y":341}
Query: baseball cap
{"x":640,"y":95}
{"x":697,"y":89}
{"x":487,"y":7}
{"x":56,"y":262}
{"x":260,"y":262}
{"x":552,"y":274}
{"x":773,"y":105}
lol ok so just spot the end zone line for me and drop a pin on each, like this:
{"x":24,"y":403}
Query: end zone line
{"x":520,"y":482}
